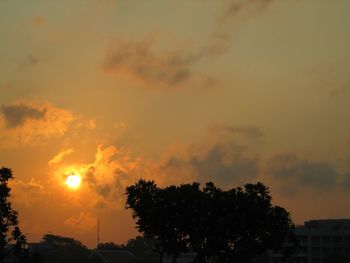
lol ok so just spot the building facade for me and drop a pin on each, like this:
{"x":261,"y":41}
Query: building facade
{"x":321,"y":241}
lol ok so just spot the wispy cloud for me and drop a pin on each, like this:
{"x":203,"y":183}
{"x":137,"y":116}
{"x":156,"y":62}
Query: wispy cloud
{"x":28,"y":192}
{"x":81,"y":223}
{"x":39,"y":21}
{"x":32,"y":123}
{"x":233,"y":12}
{"x":141,"y":62}
{"x":59,"y":157}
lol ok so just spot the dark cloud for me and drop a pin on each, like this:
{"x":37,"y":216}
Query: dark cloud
{"x":294,"y":172}
{"x":32,"y":60}
{"x":339,"y":92}
{"x":345,"y":182}
{"x":252,"y":133}
{"x":110,"y":185}
{"x":232,"y":12}
{"x":16,"y":115}
{"x":141,"y":62}
{"x":101,"y":188}
{"x":222,"y":163}
{"x":233,"y":8}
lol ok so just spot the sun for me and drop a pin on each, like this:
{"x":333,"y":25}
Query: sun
{"x":73,"y":181}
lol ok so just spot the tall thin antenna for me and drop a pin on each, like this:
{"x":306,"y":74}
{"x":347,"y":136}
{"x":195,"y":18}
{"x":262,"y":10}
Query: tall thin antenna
{"x":98,"y":231}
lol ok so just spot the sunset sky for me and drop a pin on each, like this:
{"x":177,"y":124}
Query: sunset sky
{"x":229,"y":91}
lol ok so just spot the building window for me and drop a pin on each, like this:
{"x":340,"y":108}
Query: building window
{"x":325,"y":250}
{"x":326,"y":239}
{"x":303,"y":250}
{"x":315,"y":251}
{"x":315,"y":239}
{"x":302,"y":239}
{"x":337,"y":239}
{"x":337,"y":250}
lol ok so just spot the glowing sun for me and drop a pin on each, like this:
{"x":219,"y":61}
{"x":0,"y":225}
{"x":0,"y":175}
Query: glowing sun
{"x":73,"y":181}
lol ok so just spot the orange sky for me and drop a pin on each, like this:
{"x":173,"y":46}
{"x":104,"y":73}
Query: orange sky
{"x":231,"y":91}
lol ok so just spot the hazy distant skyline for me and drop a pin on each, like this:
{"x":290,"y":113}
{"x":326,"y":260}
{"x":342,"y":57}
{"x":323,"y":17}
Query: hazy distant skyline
{"x":230,"y":91}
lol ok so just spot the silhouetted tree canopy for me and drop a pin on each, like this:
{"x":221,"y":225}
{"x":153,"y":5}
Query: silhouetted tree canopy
{"x":64,"y":249}
{"x":235,"y":225}
{"x":110,"y":246}
{"x":59,"y":242}
{"x":9,"y":229}
{"x":140,"y":246}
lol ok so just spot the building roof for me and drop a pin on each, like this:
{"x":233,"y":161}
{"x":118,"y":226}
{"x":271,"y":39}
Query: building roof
{"x":113,"y":256}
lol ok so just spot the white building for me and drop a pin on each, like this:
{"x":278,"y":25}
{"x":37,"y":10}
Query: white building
{"x":322,"y":241}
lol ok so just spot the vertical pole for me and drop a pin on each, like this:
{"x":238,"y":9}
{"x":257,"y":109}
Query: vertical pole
{"x":98,"y":231}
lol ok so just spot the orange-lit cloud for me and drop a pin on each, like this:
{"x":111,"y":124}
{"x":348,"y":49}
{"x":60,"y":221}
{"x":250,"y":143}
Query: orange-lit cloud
{"x":27,"y":192}
{"x":105,"y":178}
{"x":59,"y":157}
{"x":223,"y":157}
{"x":32,"y":123}
{"x":39,"y":20}
{"x":81,"y":223}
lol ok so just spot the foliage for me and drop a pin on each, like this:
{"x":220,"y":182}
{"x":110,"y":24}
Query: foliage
{"x":63,"y":249}
{"x":9,"y":229}
{"x":223,"y":226}
{"x":141,"y":247}
{"x":109,"y":246}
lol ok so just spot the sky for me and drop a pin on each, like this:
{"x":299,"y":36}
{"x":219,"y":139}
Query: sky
{"x":228,"y":91}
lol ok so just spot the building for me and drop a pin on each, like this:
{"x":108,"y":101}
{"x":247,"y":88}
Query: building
{"x":112,"y":256}
{"x":321,"y":241}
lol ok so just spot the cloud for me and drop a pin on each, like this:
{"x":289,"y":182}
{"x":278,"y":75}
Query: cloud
{"x":58,"y":157}
{"x":251,"y":133}
{"x":27,"y":193}
{"x":81,"y":223}
{"x":31,"y":60}
{"x":112,"y":170}
{"x":231,"y":14}
{"x":90,"y":124}
{"x":294,"y":173}
{"x":142,"y":63}
{"x":225,"y":157}
{"x":32,"y":123}
{"x":339,"y":92}
{"x":224,"y":163}
{"x":234,"y":8}
{"x":105,"y":179}
{"x":38,"y":21}
{"x":16,"y":115}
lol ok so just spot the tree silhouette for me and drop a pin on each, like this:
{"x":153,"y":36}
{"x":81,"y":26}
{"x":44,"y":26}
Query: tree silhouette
{"x":110,"y":246}
{"x":226,"y":226}
{"x":9,"y":229}
{"x":64,"y":249}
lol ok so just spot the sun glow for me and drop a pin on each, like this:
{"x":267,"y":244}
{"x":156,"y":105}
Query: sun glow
{"x":73,"y":181}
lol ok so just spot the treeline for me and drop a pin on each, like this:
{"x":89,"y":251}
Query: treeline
{"x":235,"y":225}
{"x":216,"y":225}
